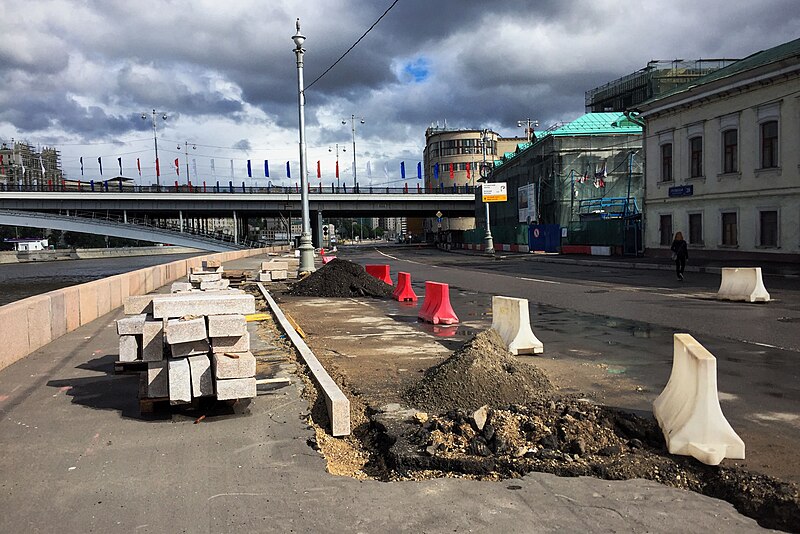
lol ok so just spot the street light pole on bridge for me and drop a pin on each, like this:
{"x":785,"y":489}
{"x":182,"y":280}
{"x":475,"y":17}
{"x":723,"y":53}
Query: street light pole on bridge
{"x":155,"y":144}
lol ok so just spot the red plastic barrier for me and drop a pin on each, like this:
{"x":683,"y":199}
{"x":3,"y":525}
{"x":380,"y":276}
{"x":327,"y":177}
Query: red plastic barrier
{"x":381,"y":272}
{"x":436,"y":308}
{"x":327,"y":259}
{"x":404,"y":292}
{"x":576,"y":249}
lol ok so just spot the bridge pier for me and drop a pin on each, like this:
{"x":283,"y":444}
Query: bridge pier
{"x":235,"y":229}
{"x":180,"y":221}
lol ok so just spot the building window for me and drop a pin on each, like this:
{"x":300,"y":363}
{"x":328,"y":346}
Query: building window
{"x":730,"y":151}
{"x":666,"y":162}
{"x":665,"y":227}
{"x":769,"y":228}
{"x":729,"y":229}
{"x":696,"y":157}
{"x":696,"y":228}
{"x":769,"y":144}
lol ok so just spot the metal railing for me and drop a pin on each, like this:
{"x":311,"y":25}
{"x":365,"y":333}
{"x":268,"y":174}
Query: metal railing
{"x":115,"y":186}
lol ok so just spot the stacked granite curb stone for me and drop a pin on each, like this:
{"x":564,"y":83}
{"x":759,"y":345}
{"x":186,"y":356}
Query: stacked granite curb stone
{"x":273,"y":270}
{"x":192,"y":343}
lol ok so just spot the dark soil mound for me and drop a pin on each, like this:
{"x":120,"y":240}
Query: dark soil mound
{"x":480,"y":372}
{"x":343,"y":279}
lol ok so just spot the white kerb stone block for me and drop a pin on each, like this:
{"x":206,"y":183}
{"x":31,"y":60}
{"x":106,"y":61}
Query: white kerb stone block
{"x":264,"y":276}
{"x":152,"y":341}
{"x":202,"y":381}
{"x":128,"y":348}
{"x":157,"y":379}
{"x":234,"y":365}
{"x":279,"y":275}
{"x":226,"y":325}
{"x":177,"y":287}
{"x":131,"y":326}
{"x":184,"y":331}
{"x":274,"y":265}
{"x":217,"y":303}
{"x":236,"y":388}
{"x":180,"y":381}
{"x":219,"y":284}
{"x":190,"y":348}
{"x":231,"y":343}
{"x":205,"y":277}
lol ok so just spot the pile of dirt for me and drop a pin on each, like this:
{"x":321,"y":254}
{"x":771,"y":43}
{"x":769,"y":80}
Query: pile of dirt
{"x":481,"y":372}
{"x":573,"y":437}
{"x":341,"y":279}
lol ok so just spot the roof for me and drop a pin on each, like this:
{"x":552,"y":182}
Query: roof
{"x":751,"y":62}
{"x":598,"y":124}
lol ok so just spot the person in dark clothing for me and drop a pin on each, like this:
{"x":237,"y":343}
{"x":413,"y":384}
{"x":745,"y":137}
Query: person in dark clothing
{"x":680,"y":253}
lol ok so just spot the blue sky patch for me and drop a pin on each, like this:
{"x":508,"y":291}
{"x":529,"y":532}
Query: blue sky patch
{"x":417,"y":70}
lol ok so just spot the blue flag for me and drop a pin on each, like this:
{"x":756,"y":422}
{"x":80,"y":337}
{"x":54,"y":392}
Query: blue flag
{"x":288,"y":170}
{"x":403,"y":170}
{"x":100,"y":162}
{"x":249,"y":171}
{"x":266,"y":168}
{"x":419,"y":170}
{"x":436,"y":171}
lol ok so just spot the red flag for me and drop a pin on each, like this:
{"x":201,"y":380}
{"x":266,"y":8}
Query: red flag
{"x":139,"y":166}
{"x":177,"y":167}
{"x":337,"y":168}
{"x":468,"y":171}
{"x":452,"y":172}
{"x":319,"y":170}
{"x":158,"y":168}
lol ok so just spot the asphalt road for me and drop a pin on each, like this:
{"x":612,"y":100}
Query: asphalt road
{"x":608,"y":332}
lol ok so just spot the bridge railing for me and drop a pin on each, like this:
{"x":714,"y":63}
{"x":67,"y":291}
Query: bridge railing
{"x":117,"y":186}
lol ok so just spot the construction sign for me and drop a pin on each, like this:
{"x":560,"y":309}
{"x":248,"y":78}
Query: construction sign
{"x":494,"y":192}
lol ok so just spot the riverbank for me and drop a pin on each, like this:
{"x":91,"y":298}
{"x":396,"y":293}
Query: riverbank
{"x":90,"y":253}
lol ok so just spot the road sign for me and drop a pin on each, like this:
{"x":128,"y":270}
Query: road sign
{"x":486,"y":170}
{"x":494,"y":192}
{"x":439,"y":214}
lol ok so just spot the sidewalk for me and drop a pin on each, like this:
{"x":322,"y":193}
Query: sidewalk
{"x":77,"y":458}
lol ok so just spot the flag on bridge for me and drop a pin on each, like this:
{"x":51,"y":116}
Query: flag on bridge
{"x":436,"y":171}
{"x":249,"y":170}
{"x":213,"y":171}
{"x":119,"y":160}
{"x":158,"y":168}
{"x":386,"y":169}
{"x":337,"y":168}
{"x":232,"y":173}
{"x":177,"y":167}
{"x":100,"y":163}
{"x":139,"y":167}
{"x":288,"y":170}
{"x":194,"y":167}
{"x":81,"y":165}
{"x":419,"y":170}
{"x":41,"y":164}
{"x":469,"y":173}
{"x":266,"y":168}
{"x":369,"y":171}
{"x":319,"y":169}
{"x":403,"y":170}
{"x":452,"y":172}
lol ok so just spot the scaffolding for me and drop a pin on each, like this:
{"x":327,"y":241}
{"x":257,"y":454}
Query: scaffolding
{"x":657,"y":78}
{"x":24,"y":164}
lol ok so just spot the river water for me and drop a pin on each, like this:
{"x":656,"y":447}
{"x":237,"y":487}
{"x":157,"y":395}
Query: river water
{"x":21,"y":280}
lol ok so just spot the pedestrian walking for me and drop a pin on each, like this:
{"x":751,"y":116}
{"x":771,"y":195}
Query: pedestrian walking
{"x":680,"y":253}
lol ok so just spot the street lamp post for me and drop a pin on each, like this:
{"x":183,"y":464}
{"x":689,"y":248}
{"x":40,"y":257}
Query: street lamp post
{"x":530,"y":125}
{"x":337,"y":163}
{"x":306,"y":246}
{"x":186,"y":156}
{"x":353,"y":128}
{"x":488,"y":242}
{"x":155,"y":144}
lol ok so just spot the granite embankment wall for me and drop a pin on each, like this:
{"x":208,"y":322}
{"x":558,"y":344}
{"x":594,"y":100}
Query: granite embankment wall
{"x":28,"y":324}
{"x":89,"y":253}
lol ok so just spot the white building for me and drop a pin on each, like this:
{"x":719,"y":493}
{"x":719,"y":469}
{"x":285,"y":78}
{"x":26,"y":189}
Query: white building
{"x":723,"y":160}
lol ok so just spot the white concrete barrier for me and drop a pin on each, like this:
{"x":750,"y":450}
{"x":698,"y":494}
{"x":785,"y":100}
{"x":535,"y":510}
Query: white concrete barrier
{"x":742,"y":283}
{"x":688,"y":409}
{"x":510,"y":319}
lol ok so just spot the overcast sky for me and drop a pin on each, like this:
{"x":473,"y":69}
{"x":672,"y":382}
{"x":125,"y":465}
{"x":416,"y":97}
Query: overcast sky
{"x":77,"y":75}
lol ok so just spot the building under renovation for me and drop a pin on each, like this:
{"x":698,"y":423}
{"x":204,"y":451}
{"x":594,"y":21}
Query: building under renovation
{"x":657,"y":78}
{"x":23,"y":164}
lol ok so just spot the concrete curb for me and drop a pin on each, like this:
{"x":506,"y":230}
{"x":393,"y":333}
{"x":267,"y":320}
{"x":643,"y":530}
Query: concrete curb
{"x":337,"y":403}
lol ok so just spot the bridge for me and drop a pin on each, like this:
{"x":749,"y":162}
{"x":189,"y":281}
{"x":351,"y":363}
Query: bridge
{"x":144,"y":213}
